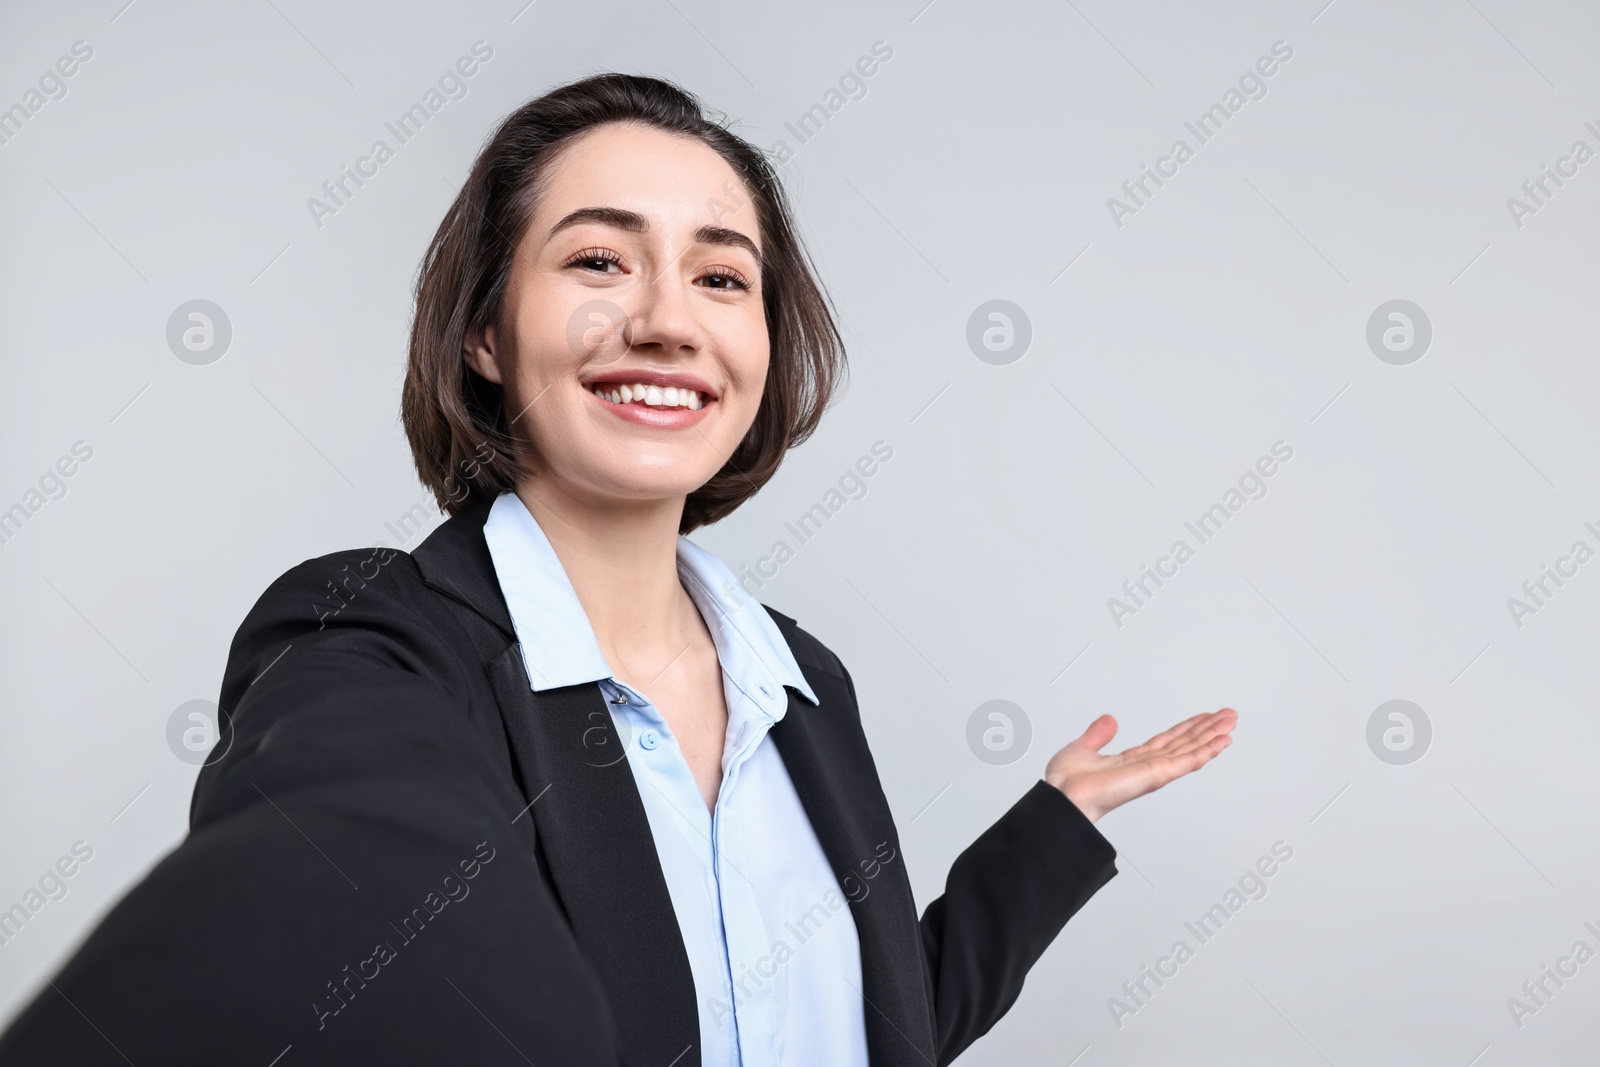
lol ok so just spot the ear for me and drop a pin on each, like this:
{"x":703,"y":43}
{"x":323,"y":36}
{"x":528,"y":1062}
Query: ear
{"x":478,"y":350}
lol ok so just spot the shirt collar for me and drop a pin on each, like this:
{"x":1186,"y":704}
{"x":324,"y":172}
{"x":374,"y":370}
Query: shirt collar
{"x":558,"y":642}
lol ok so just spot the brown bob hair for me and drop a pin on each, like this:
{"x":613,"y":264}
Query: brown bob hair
{"x":456,"y":420}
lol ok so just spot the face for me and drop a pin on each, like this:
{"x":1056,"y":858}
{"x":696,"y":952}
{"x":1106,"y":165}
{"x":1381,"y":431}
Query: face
{"x":637,"y":348}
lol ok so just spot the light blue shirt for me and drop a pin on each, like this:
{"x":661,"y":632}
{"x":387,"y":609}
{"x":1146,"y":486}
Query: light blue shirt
{"x":771,"y":941}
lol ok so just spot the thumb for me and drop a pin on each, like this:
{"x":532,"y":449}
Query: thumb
{"x":1101,"y":731}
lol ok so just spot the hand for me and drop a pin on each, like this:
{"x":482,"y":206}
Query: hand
{"x":1097,"y":783}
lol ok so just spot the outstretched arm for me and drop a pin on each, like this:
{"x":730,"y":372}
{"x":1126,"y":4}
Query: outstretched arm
{"x":1011,"y":892}
{"x":352,"y":887}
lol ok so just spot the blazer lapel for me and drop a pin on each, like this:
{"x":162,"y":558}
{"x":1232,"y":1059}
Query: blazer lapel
{"x":602,"y":859}
{"x":590,"y":821}
{"x":454,"y":560}
{"x":827,"y":757}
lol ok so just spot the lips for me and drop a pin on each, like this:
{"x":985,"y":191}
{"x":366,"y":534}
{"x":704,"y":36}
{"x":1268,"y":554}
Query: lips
{"x":663,"y":380}
{"x":653,"y":398}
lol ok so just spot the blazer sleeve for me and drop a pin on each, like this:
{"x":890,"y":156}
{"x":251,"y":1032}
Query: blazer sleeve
{"x":352,"y":887}
{"x":1006,"y":898}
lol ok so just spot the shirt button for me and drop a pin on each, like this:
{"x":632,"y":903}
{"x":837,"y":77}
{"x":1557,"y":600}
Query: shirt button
{"x":649,"y":740}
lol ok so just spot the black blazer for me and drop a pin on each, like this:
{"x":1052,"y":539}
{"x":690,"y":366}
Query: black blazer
{"x":351,"y":654}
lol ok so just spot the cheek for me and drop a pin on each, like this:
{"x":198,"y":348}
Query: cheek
{"x":756,"y":380}
{"x":540,"y":364}
{"x":542,"y":351}
{"x":749,"y":362}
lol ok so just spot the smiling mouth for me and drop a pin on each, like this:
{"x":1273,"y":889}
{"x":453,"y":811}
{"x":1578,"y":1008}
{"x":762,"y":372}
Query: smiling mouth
{"x":651,"y":396}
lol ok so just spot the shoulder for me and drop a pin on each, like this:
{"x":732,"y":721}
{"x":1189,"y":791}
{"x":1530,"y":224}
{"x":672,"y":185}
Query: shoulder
{"x":322,"y":588}
{"x":346,"y":663}
{"x":346,"y":615}
{"x":340,"y":593}
{"x":361,"y":607}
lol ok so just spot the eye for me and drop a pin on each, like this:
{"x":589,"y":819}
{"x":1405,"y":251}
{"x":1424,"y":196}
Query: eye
{"x":725,"y":278}
{"x":599,"y":260}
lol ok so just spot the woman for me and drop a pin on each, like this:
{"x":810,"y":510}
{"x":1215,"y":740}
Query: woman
{"x":617,"y":338}
{"x":617,"y":311}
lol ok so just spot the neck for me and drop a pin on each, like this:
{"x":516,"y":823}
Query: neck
{"x":622,"y":561}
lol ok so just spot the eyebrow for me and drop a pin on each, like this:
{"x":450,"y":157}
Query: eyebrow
{"x":633,"y":222}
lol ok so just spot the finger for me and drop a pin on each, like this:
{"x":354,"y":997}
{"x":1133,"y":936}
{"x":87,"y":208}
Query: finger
{"x":1205,"y":726}
{"x":1177,"y":734}
{"x":1193,"y":727}
{"x":1099,"y":733}
{"x":1171,"y":768}
{"x":1211,"y":750}
{"x":1219,"y":728}
{"x":1165,"y":737}
{"x":1211,"y":746}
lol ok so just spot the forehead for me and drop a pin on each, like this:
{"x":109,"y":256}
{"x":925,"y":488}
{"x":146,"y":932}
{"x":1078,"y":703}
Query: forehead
{"x":675,"y":182}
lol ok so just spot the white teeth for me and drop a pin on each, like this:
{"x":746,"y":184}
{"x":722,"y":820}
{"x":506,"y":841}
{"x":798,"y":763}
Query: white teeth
{"x":652,"y":395}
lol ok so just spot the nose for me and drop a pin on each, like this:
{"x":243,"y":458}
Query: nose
{"x":662,"y":322}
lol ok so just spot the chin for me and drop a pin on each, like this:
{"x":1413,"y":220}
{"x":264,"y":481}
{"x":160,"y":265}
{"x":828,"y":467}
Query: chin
{"x":637,"y":484}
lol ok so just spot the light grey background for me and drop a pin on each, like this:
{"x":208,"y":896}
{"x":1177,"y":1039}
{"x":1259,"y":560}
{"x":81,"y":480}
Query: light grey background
{"x":1229,"y":313}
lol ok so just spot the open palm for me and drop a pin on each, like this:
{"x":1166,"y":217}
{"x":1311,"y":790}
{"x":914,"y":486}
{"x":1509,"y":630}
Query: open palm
{"x":1097,"y":783}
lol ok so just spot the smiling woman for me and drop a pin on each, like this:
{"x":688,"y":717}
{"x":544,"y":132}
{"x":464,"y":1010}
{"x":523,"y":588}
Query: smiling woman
{"x":675,"y":773}
{"x":652,"y":193}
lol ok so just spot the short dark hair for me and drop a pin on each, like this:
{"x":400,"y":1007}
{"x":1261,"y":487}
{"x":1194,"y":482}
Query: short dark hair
{"x":455,"y":419}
